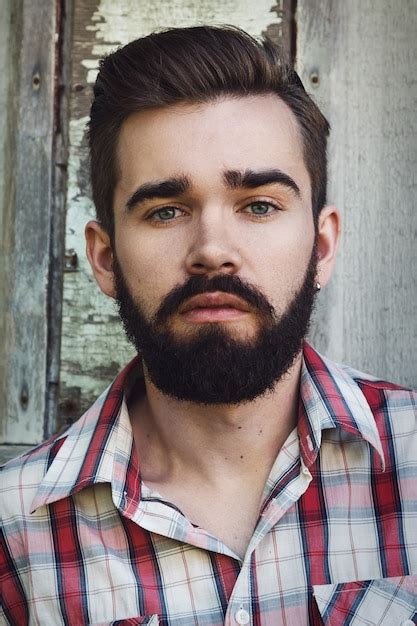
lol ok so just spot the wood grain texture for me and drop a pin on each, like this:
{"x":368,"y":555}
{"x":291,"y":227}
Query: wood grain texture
{"x":93,"y":345}
{"x":27,"y":214}
{"x":8,"y":64}
{"x":365,"y":56}
{"x":63,"y":49}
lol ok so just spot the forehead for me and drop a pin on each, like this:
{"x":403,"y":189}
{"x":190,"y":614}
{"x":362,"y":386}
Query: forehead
{"x":201,"y":140}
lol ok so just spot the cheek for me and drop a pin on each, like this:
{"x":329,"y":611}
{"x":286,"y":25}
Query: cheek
{"x":283,"y":265}
{"x":150,"y":271}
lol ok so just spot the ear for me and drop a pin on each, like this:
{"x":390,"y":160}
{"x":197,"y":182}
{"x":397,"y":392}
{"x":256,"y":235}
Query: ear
{"x":100,"y":257}
{"x":328,"y":238}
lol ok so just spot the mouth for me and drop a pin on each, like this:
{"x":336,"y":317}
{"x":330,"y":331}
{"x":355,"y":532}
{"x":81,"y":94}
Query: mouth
{"x":214,"y":307}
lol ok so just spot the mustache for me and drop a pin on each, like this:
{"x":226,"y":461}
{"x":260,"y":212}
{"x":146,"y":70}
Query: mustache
{"x":199,"y":284}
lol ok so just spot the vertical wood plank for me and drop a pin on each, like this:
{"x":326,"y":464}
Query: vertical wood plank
{"x":63,"y":49}
{"x":9,"y":34}
{"x":28,"y":215}
{"x":359,"y":59}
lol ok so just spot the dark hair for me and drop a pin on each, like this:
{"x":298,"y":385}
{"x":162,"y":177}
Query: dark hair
{"x":194,"y":65}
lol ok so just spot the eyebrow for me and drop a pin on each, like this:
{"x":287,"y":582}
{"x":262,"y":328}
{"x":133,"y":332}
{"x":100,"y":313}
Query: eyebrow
{"x":235,"y":179}
{"x":159,"y":189}
{"x":251,"y":179}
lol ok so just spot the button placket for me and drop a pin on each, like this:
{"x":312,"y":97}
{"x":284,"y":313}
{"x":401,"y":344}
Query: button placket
{"x":242,"y":616}
{"x":305,"y":470}
{"x":238,"y":611}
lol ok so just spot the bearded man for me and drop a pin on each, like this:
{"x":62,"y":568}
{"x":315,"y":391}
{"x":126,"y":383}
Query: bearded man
{"x":230,"y":474}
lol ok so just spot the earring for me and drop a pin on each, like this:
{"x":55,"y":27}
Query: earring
{"x":318,"y":286}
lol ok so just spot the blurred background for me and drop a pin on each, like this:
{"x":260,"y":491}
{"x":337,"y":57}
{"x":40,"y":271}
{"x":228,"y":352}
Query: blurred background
{"x":60,"y":339}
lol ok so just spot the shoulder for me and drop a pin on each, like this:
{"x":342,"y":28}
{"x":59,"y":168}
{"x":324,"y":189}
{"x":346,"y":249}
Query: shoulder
{"x":351,"y":392}
{"x":51,"y":467}
{"x":22,"y":476}
{"x":386,"y":399}
{"x":394,"y":410}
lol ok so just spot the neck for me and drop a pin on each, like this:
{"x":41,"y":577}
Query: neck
{"x":175,"y":438}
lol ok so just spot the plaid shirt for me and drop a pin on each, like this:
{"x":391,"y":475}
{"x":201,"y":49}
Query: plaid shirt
{"x":336,"y":541}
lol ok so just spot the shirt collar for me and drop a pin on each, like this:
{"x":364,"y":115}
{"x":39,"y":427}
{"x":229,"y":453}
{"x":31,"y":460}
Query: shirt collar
{"x":99,"y":448}
{"x":331,"y":399}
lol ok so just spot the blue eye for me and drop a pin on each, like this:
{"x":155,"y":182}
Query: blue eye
{"x":260,"y":208}
{"x":165,"y":214}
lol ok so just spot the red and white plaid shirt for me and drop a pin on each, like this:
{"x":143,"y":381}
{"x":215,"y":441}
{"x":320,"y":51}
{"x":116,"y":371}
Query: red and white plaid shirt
{"x":86,"y":542}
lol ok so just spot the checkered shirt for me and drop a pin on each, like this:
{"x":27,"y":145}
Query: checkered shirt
{"x":86,"y":542}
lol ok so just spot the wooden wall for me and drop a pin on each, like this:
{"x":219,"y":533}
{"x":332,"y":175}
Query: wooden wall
{"x":26,"y":170}
{"x":357,"y":58}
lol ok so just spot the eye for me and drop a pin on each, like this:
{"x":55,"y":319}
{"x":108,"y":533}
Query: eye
{"x":166,"y":214}
{"x":261,"y":208}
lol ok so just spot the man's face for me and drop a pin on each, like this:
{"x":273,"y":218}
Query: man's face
{"x":207,"y":191}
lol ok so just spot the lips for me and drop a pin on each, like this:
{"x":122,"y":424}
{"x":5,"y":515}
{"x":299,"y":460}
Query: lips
{"x":215,"y":300}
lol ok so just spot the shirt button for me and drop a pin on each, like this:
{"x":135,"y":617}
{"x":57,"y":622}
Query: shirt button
{"x":242,"y":616}
{"x":306,"y":471}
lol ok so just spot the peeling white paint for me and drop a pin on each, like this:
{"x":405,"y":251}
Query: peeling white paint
{"x":92,"y":335}
{"x":116,"y":23}
{"x":80,"y":206}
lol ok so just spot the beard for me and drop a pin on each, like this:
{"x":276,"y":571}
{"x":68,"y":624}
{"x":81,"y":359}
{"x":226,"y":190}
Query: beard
{"x":209,"y":366}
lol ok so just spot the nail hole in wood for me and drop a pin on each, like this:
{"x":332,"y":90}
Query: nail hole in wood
{"x":314,"y":79}
{"x":24,"y":396}
{"x":36,"y":82}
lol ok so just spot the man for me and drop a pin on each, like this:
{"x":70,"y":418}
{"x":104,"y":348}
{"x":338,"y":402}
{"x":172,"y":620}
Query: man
{"x":230,"y":474}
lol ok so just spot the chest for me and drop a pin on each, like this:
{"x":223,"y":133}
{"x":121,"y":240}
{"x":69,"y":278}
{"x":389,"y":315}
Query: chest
{"x":231,"y":522}
{"x":229,"y":515}
{"x":118,"y":569}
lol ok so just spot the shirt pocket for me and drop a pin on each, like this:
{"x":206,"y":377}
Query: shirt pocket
{"x":381,"y":602}
{"x":151,"y":620}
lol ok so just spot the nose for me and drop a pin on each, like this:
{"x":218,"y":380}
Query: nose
{"x":213,"y":249}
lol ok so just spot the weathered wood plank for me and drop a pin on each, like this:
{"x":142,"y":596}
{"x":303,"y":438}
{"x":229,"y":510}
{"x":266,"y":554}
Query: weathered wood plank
{"x":63,"y":50}
{"x":359,"y":59}
{"x":9,"y":28}
{"x":93,"y":346}
{"x":27,"y":214}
